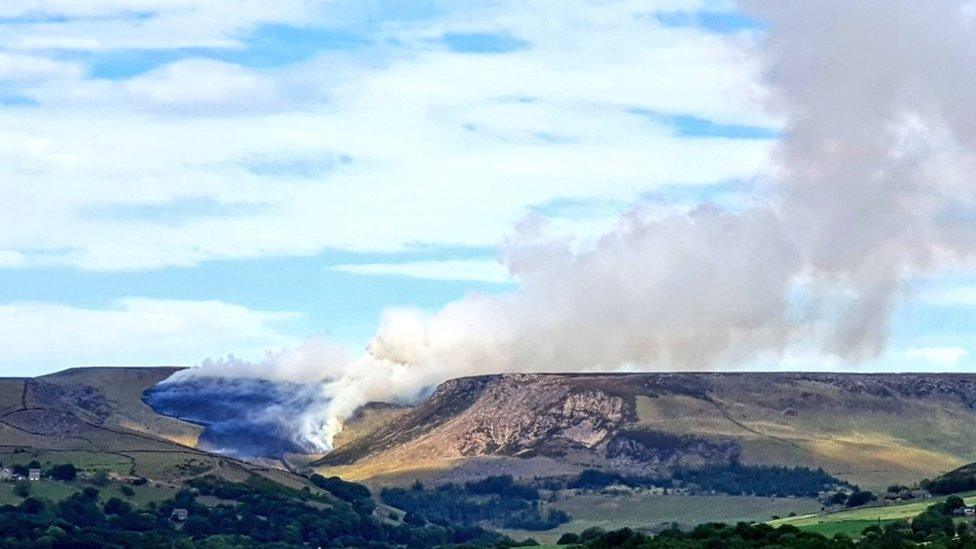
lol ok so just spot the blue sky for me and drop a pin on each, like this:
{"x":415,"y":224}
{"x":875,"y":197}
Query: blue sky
{"x":185,"y":182}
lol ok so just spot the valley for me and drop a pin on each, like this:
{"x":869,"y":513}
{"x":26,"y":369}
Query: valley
{"x":543,"y":431}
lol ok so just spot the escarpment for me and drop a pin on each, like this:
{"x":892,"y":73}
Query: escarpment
{"x":864,"y":427}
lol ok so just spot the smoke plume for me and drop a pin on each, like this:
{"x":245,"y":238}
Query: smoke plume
{"x":874,"y":186}
{"x":877,"y":159}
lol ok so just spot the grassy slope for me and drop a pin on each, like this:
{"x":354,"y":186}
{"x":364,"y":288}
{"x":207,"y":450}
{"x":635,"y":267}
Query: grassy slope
{"x":646,"y":510}
{"x":95,"y":419}
{"x":11,"y":390}
{"x":124,"y":387}
{"x":852,"y":436}
{"x":853,"y":521}
{"x":85,"y":461}
{"x":57,"y":491}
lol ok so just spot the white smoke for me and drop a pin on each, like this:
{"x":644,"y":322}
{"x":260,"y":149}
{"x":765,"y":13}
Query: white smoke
{"x":874,"y":186}
{"x":309,"y":363}
{"x":877,"y":160}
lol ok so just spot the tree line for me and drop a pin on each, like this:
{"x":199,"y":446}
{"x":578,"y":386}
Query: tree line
{"x":260,"y":513}
{"x":732,"y":479}
{"x":933,"y":529}
{"x":497,"y":500}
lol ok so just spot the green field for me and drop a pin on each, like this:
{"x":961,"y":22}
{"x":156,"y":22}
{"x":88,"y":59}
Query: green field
{"x":853,"y":521}
{"x":646,"y":510}
{"x":852,"y":528}
{"x":57,"y":491}
{"x":643,"y":510}
{"x":84,"y":461}
{"x":161,"y":465}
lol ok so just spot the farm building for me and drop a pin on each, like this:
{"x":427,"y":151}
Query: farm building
{"x":33,"y":474}
{"x":968,"y":511}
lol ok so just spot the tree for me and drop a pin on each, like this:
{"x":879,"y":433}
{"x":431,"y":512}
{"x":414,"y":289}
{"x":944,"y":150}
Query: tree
{"x":837,"y":498}
{"x":356,"y":494}
{"x":32,"y":506}
{"x":952,"y":503}
{"x":591,"y":534}
{"x":568,"y":538}
{"x":197,"y":526}
{"x":65,"y":472}
{"x":115,"y":506}
{"x":414,"y":519}
{"x":100,"y":478}
{"x":55,"y":532}
{"x":859,"y":497}
{"x":931,"y":524}
{"x":22,"y":489}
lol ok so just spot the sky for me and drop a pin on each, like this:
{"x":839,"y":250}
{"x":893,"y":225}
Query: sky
{"x":185,"y":181}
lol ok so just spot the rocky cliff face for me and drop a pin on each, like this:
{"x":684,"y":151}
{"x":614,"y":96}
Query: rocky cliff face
{"x":868,"y":427}
{"x":576,"y":418}
{"x":497,"y":415}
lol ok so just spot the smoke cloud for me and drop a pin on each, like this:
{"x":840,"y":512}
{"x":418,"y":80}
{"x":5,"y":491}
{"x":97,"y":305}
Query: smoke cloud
{"x":877,"y":159}
{"x":874,"y":187}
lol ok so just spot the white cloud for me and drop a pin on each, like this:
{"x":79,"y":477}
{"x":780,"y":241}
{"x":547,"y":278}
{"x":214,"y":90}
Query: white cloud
{"x":942,"y":357}
{"x":41,"y":337}
{"x":481,"y":270}
{"x":440,"y":150}
{"x":9,"y":258}
{"x":187,"y":87}
{"x":27,"y":68}
{"x":144,"y":24}
{"x":806,"y":358}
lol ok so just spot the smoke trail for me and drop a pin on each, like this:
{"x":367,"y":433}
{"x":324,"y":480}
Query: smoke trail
{"x":874,"y":186}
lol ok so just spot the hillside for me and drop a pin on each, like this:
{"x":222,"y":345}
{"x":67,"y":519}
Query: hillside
{"x":88,"y":409}
{"x":852,"y":521}
{"x":962,"y":479}
{"x":96,"y":419}
{"x":871,"y":429}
